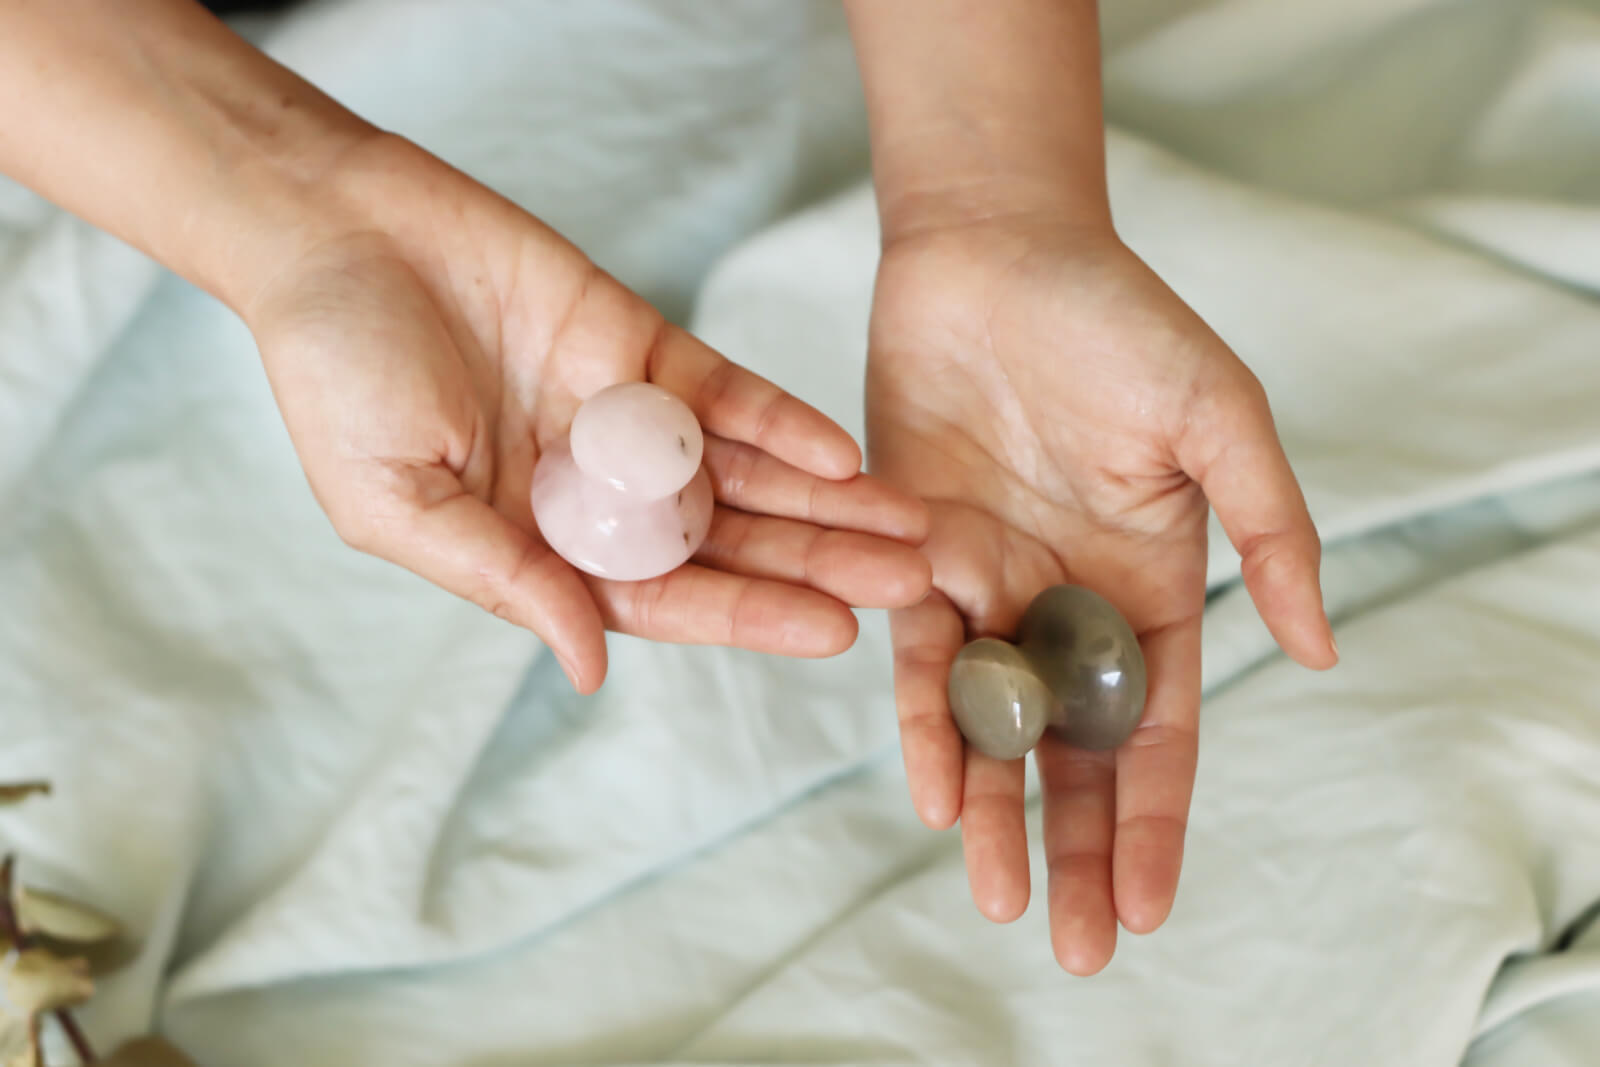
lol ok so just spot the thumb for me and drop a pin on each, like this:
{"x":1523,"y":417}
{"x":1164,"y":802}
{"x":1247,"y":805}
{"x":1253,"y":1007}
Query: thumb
{"x":1231,"y":448}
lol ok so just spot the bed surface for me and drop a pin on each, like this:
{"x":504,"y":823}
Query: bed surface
{"x":359,"y":822}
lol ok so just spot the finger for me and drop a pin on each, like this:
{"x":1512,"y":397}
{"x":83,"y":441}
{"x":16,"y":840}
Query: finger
{"x":926,"y":639}
{"x":734,"y":403}
{"x":756,"y":481}
{"x":1155,"y":780}
{"x":859,"y":569}
{"x":695,"y":605}
{"x":1078,"y":792}
{"x":994,"y":837}
{"x":1233,"y":451}
{"x":461,"y":544}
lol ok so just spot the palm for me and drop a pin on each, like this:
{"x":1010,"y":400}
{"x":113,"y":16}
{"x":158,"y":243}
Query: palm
{"x":421,"y":365}
{"x":1051,"y":401}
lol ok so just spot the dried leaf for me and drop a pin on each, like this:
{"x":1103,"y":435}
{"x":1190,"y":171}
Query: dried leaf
{"x":17,"y":792}
{"x":147,"y":1052}
{"x":38,"y":980}
{"x":16,"y":1038}
{"x":63,"y":919}
{"x":106,"y":957}
{"x":21,"y":1042}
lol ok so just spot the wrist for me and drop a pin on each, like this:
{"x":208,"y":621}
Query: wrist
{"x":1013,"y":199}
{"x":973,"y":261}
{"x":274,"y":213}
{"x":274,"y":176}
{"x":982,"y":110}
{"x":991,"y":200}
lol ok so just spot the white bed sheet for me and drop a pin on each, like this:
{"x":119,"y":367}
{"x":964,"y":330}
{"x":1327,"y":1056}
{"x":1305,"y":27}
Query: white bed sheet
{"x":363,"y":824}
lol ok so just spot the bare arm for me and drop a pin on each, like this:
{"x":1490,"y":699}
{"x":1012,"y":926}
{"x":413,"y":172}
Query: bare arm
{"x":424,"y":337}
{"x":154,"y":121}
{"x":1068,"y":418}
{"x":981,"y":108}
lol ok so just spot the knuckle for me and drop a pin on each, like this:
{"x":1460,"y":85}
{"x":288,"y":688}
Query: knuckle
{"x":356,"y":529}
{"x":1163,"y":735}
{"x":496,"y":592}
{"x":1073,"y":863}
{"x":912,"y":657}
{"x":768,"y":417}
{"x":646,"y":607}
{"x":1253,"y":394}
{"x":716,"y":386}
{"x":743,"y":468}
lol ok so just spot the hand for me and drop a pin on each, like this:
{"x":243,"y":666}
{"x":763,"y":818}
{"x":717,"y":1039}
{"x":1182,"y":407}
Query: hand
{"x":423,"y":355}
{"x":1068,"y":417}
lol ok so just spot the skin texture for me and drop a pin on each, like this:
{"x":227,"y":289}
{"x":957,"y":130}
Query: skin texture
{"x":425,"y":339}
{"x":1097,"y":473}
{"x":1040,"y":406}
{"x":1069,"y":419}
{"x":422,"y":365}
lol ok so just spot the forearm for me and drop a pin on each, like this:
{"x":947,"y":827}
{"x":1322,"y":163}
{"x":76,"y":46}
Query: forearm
{"x":982,"y":108}
{"x":153,"y":121}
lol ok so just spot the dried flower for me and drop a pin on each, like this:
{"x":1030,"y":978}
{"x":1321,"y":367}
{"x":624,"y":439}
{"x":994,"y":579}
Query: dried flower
{"x":148,"y":1052}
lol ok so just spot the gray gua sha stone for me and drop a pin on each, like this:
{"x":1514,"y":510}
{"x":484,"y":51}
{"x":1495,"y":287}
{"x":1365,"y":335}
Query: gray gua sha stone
{"x":1076,"y":669}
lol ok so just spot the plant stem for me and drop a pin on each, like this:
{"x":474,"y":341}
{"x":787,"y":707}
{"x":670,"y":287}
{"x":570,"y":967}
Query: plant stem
{"x":8,"y":914}
{"x":80,"y":1044}
{"x":11,"y":929}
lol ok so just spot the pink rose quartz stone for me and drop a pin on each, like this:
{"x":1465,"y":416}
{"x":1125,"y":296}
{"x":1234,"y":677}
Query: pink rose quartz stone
{"x":638,"y":504}
{"x":639,"y":437}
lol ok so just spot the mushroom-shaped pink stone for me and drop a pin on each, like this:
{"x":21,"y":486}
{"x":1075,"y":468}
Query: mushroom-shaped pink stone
{"x":638,"y":437}
{"x":624,"y":496}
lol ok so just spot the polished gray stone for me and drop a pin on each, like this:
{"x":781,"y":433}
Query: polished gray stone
{"x":1000,"y":704}
{"x":1076,"y":670}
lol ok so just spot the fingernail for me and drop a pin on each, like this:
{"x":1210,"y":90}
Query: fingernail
{"x":1333,"y":642}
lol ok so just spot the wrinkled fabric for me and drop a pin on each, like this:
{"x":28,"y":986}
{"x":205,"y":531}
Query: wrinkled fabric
{"x":356,"y":821}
